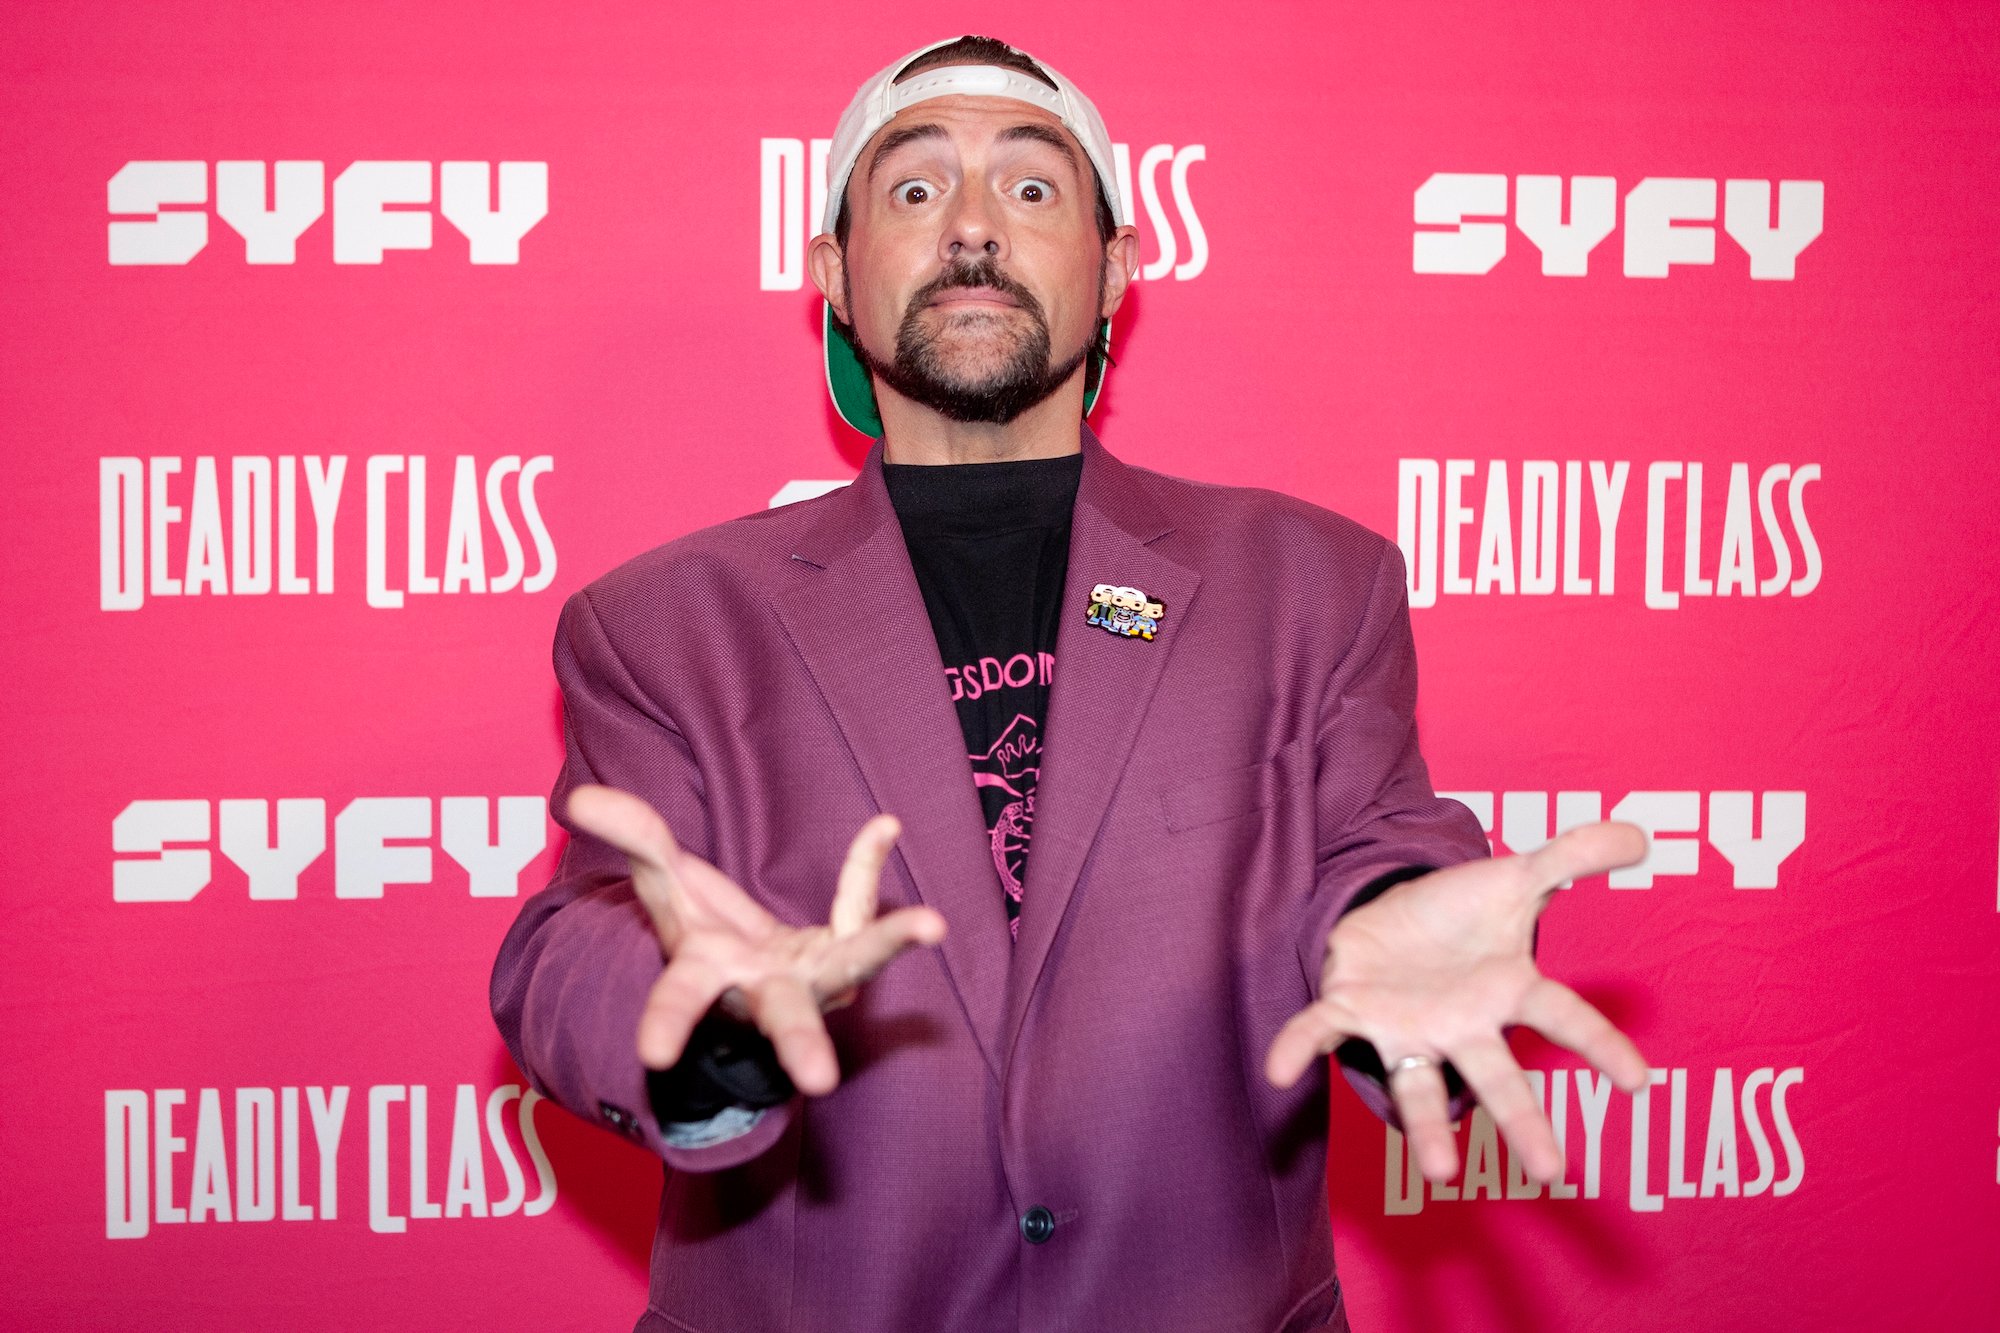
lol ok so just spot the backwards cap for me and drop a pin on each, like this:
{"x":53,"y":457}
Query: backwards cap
{"x":878,"y":102}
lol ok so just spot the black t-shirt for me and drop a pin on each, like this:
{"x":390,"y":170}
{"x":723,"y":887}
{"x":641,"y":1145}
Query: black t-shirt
{"x":990,"y":546}
{"x":989,"y":543}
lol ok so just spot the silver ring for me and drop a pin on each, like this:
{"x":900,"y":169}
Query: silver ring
{"x":1412,"y":1062}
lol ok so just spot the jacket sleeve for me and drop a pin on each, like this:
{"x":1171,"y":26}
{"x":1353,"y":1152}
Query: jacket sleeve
{"x":573,"y":973}
{"x":1378,"y":820}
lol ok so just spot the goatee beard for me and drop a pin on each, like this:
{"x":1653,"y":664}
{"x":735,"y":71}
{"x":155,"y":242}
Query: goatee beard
{"x":921,"y":371}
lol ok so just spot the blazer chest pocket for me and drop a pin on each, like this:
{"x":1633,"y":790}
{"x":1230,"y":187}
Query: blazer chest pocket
{"x":1214,"y":797}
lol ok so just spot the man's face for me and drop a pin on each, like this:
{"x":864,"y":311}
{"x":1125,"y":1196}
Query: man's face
{"x":973,"y":275}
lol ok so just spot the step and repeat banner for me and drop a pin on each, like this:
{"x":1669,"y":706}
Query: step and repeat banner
{"x":343,"y":342}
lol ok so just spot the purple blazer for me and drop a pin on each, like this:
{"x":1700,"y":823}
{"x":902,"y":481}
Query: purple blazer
{"x":1069,"y":1132}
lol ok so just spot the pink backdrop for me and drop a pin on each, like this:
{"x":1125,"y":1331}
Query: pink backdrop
{"x":265,"y":830}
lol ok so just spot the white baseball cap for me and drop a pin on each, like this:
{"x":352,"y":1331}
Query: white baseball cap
{"x":878,"y":102}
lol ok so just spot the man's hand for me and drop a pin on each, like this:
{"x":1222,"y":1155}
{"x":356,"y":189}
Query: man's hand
{"x":720,"y":942}
{"x":1436,"y":968}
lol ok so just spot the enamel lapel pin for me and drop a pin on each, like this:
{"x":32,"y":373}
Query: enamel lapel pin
{"x":1125,"y":611}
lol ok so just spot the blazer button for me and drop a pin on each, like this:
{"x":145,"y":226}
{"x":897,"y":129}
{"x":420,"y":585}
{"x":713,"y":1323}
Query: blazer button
{"x":1038,"y":1224}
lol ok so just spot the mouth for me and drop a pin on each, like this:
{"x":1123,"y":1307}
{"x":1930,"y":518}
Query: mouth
{"x":973,"y":298}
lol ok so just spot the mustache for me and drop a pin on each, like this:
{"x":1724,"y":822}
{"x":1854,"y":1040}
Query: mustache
{"x":982,"y":272}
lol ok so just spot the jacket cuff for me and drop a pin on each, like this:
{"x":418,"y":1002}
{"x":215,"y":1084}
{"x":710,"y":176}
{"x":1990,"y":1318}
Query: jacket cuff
{"x":728,"y":1063}
{"x":731,"y":1122}
{"x":1381,"y":884}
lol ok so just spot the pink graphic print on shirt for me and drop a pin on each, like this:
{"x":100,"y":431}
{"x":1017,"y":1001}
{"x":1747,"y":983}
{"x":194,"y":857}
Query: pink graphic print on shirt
{"x":1013,"y":765}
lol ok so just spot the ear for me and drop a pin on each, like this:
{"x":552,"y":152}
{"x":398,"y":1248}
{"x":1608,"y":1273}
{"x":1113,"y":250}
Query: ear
{"x":1121,"y":266}
{"x":827,"y":264}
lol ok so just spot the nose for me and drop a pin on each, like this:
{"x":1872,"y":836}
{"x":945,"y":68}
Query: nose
{"x":973,"y":228}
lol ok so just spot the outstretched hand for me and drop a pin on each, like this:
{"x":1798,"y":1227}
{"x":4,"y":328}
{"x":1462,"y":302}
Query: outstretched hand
{"x":1437,"y":968}
{"x":721,"y":944}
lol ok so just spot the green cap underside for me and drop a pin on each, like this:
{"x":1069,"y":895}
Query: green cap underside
{"x":854,"y":392}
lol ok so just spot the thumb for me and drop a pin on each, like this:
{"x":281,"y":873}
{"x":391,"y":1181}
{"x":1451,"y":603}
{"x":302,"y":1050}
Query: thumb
{"x":1590,"y":849}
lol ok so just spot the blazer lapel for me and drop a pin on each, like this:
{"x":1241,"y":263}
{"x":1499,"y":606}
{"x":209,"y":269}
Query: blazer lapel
{"x":1097,"y":701}
{"x":860,"y":625}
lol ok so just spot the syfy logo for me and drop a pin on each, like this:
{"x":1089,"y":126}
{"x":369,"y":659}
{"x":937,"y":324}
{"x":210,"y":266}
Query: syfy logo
{"x":1492,"y":1172}
{"x":1662,"y":222}
{"x":163,"y":854}
{"x":1753,"y":857}
{"x":789,"y":212}
{"x":1434,"y":550}
{"x":141,"y":553}
{"x":377,"y":207}
{"x":145,"y":1179}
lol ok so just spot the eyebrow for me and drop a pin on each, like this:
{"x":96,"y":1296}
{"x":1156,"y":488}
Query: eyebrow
{"x":1012,"y":134}
{"x":1043,"y":134}
{"x":898,"y":138}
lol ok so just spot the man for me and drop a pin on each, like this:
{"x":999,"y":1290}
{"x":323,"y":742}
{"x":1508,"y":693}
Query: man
{"x":1177,"y":871}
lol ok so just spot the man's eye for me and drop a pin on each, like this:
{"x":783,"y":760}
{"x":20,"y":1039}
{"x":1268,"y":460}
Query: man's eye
{"x":913,"y":192}
{"x":1033,"y":192}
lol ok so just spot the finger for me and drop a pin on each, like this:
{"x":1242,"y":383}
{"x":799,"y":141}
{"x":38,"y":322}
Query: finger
{"x":855,"y":893}
{"x":1309,"y":1035}
{"x":786,"y":1013}
{"x":1425,"y":1112}
{"x":623,"y":820}
{"x":1590,"y":849}
{"x":675,"y":1004}
{"x":1566,"y":1018}
{"x":636,"y":829}
{"x":1494,"y":1075}
{"x":859,"y":957}
{"x":680,"y":889}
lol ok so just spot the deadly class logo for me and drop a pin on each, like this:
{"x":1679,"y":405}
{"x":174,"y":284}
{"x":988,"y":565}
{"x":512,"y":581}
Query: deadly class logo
{"x":1744,"y":556}
{"x":157,"y":539}
{"x":1749,"y":1131}
{"x":151,"y":1177}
